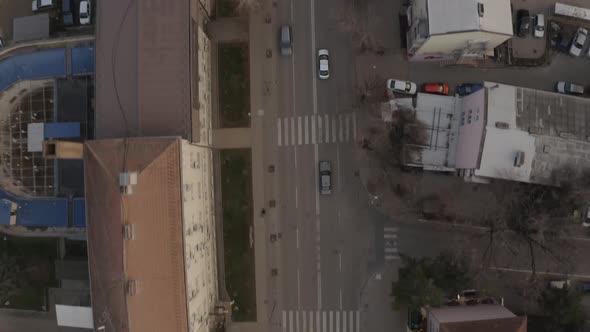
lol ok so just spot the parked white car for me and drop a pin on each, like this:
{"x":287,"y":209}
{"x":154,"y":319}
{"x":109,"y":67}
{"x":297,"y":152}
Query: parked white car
{"x":84,"y":12}
{"x":399,"y":86}
{"x":579,"y":42}
{"x":324,"y":64}
{"x":539,"y":26}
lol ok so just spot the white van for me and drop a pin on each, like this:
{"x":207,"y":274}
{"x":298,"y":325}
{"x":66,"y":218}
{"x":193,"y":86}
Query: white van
{"x":42,"y":4}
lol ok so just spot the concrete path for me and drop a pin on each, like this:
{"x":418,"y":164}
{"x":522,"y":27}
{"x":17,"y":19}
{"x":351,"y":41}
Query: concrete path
{"x":232,"y":138}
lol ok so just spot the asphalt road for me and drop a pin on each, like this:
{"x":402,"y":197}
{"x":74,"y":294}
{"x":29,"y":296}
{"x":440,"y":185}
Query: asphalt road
{"x":338,"y":255}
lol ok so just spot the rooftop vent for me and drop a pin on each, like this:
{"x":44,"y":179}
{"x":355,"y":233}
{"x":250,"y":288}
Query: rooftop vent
{"x":519,"y":159}
{"x":126,"y":182}
{"x":132,"y":287}
{"x":480,"y":9}
{"x":502,"y":125}
{"x":129,"y":231}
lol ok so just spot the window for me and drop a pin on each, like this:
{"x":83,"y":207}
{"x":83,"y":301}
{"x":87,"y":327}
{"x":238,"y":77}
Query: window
{"x":480,"y":9}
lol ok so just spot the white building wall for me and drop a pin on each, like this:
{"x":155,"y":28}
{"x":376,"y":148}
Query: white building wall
{"x":199,"y":234}
{"x":471,"y":130}
{"x":204,"y":57}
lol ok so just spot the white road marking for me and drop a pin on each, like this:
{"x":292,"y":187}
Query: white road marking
{"x":299,"y":131}
{"x":331,"y":321}
{"x":344,"y":321}
{"x":327,"y":125}
{"x":297,"y":236}
{"x":390,"y":250}
{"x":324,"y":321}
{"x":391,"y":257}
{"x":340,"y":261}
{"x":354,"y":126}
{"x":311,"y":321}
{"x":390,"y":236}
{"x":338,"y":314}
{"x":292,"y":131}
{"x":296,"y":197}
{"x":284,"y":321}
{"x":341,"y":127}
{"x":290,"y":321}
{"x":279,"y":134}
{"x":338,"y":318}
{"x":556,"y":274}
{"x":347,"y":126}
{"x":313,"y":137}
{"x":286,"y":127}
{"x":306,"y":127}
{"x":358,"y":321}
{"x":320,"y":129}
{"x":333,"y":130}
{"x":350,"y":319}
{"x":317,"y":320}
{"x":390,"y":229}
{"x":304,"y":321}
{"x":297,"y":320}
{"x":298,"y":291}
{"x":338,"y":178}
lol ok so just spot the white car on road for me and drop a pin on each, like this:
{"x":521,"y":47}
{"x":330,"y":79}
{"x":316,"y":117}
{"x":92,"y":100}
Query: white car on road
{"x":84,"y":12}
{"x":324,"y":59}
{"x":405,"y":87}
{"x":579,"y":42}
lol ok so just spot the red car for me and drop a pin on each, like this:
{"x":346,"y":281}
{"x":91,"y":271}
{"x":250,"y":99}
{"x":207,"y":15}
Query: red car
{"x":437,"y":88}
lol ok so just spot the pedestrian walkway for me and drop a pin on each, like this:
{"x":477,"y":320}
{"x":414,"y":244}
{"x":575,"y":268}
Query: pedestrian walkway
{"x":390,"y":240}
{"x":316,"y":129}
{"x":321,"y":321}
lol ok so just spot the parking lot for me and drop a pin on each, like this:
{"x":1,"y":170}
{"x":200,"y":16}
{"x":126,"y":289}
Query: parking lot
{"x":11,"y":9}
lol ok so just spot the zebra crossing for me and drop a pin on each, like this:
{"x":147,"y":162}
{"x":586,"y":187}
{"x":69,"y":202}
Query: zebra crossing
{"x":321,"y":321}
{"x":316,"y":129}
{"x":390,"y":240}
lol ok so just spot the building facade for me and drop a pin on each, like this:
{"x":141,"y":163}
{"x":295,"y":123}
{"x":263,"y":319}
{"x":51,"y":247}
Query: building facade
{"x":457,"y":29}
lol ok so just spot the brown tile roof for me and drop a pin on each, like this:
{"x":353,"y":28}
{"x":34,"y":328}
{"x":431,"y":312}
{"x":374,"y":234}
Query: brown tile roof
{"x":155,"y":256}
{"x":513,"y":324}
{"x":143,"y":68}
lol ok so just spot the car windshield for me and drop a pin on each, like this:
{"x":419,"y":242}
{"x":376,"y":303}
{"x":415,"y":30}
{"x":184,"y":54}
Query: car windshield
{"x":84,"y":15}
{"x":323,"y":57}
{"x":408,"y":86}
{"x":540,"y":28}
{"x":323,"y":72}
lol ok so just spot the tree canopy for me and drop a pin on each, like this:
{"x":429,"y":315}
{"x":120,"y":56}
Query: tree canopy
{"x":429,"y":281}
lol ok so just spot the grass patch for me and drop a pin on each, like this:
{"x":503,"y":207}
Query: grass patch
{"x":234,"y":85}
{"x":226,"y":8}
{"x":26,"y":270}
{"x":236,"y":194}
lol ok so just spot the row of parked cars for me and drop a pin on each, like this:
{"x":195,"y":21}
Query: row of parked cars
{"x":68,"y":8}
{"x":410,"y":88}
{"x":524,"y":22}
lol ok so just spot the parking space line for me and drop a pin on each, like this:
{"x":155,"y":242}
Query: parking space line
{"x":344,"y":321}
{"x":347,"y":125}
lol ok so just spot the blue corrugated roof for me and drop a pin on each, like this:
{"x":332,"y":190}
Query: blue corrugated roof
{"x":36,"y":65}
{"x":82,"y":60}
{"x":45,"y":64}
{"x":79,"y":212}
{"x":62,"y":129}
{"x":40,"y":212}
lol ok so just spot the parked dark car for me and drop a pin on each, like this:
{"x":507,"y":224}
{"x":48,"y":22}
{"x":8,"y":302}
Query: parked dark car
{"x":584,"y":286}
{"x":468,"y":88}
{"x":67,"y":12}
{"x":554,"y":30}
{"x":564,"y":40}
{"x":523,"y":22}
